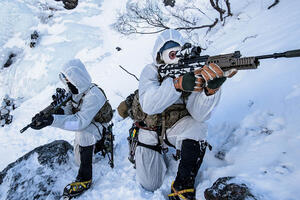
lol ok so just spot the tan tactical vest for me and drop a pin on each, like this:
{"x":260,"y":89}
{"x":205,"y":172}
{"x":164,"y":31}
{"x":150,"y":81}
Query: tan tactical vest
{"x":166,"y":119}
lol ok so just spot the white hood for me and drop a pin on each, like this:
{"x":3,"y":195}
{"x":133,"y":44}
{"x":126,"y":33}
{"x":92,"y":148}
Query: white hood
{"x":165,"y":36}
{"x":76,"y":73}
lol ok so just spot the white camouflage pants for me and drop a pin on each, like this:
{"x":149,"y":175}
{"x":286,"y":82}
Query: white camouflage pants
{"x":150,"y":165}
{"x":85,"y":139}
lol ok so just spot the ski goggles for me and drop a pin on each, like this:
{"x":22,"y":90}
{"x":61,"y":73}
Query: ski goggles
{"x":172,"y":54}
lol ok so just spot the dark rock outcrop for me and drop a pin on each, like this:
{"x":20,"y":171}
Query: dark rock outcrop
{"x":220,"y":155}
{"x":224,"y":189}
{"x":169,"y":3}
{"x":8,"y":104}
{"x":10,"y":60}
{"x":35,"y":175}
{"x":34,"y":39}
{"x":70,"y":4}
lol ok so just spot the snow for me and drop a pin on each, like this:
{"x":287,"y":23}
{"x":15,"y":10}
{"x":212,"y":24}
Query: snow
{"x":256,"y":122}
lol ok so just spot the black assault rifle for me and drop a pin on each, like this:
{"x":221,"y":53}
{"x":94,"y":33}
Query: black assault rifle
{"x":190,"y":60}
{"x":106,"y":144}
{"x":60,"y":98}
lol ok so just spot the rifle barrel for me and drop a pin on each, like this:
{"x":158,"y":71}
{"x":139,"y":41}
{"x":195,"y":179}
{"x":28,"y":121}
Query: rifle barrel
{"x":25,"y":128}
{"x":287,"y":54}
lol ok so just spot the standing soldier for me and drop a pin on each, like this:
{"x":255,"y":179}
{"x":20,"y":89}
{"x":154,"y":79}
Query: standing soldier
{"x":87,"y":114}
{"x":172,"y":111}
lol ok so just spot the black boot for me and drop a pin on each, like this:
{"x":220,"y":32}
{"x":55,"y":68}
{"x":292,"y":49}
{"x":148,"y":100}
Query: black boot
{"x":191,"y":159}
{"x":84,"y":178}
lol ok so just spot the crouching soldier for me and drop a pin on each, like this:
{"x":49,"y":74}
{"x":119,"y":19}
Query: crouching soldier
{"x":87,"y":114}
{"x":172,"y":111}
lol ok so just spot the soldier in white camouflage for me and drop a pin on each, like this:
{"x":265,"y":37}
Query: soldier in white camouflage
{"x":172,"y":112}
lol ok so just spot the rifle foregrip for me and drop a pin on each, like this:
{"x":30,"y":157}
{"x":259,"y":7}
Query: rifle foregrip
{"x":293,"y":53}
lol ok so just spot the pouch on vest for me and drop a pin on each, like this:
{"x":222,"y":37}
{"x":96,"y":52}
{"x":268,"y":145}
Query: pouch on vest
{"x":172,"y":114}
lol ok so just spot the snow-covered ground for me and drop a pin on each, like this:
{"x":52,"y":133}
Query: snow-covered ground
{"x":256,"y":123}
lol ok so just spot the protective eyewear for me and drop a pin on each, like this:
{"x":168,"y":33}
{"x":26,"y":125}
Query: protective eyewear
{"x":172,"y":55}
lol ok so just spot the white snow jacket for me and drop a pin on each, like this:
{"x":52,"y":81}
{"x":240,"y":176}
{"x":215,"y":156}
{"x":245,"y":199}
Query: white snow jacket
{"x":155,"y":97}
{"x":92,"y":100}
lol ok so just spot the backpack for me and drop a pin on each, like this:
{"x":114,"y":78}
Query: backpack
{"x":105,"y":114}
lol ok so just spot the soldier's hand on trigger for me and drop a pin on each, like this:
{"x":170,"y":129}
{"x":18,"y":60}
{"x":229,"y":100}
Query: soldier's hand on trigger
{"x":213,"y":77}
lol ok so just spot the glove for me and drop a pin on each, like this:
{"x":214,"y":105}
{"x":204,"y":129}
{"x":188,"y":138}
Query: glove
{"x":40,"y":121}
{"x":213,"y":77}
{"x":59,"y":111}
{"x":189,"y":82}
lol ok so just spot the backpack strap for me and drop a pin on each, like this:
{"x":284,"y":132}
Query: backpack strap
{"x":166,"y":140}
{"x":85,"y":92}
{"x":94,"y":84}
{"x":156,"y":148}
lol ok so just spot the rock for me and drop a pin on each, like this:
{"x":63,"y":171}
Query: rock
{"x":34,"y":175}
{"x":5,"y":117}
{"x":169,"y":3}
{"x":10,"y":60}
{"x":70,"y":4}
{"x":8,"y":104}
{"x":34,"y":39}
{"x":220,"y":155}
{"x":224,"y":189}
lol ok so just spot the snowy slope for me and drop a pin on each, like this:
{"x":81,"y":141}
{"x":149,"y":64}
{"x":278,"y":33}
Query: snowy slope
{"x":256,"y":123}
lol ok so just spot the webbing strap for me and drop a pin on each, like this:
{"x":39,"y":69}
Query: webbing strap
{"x":163,"y":128}
{"x":76,"y":185}
{"x":166,"y":140}
{"x":83,"y":95}
{"x":157,"y":147}
{"x":144,"y":127}
{"x":94,"y":84}
{"x":152,"y":147}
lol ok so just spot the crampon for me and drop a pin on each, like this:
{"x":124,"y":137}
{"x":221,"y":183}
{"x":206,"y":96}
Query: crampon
{"x":183,"y":194}
{"x":75,"y":189}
